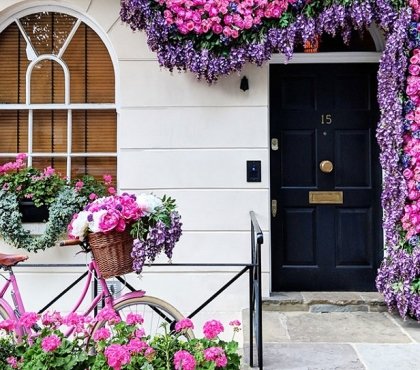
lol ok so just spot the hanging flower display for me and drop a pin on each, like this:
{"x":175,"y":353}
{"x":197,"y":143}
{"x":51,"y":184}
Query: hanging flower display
{"x":217,"y":37}
{"x":399,"y":275}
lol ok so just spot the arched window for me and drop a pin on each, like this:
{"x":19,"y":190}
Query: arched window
{"x":57,"y":95}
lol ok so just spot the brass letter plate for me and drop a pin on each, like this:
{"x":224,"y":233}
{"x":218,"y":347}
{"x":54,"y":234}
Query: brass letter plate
{"x":325,"y":197}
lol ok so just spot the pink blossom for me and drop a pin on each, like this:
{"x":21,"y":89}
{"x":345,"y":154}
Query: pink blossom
{"x":109,"y":220}
{"x":6,"y":186}
{"x":101,"y":334}
{"x":79,"y":185}
{"x":13,"y":362}
{"x":183,"y":360}
{"x":216,"y":354}
{"x":117,"y":356}
{"x":28,"y":319}
{"x":21,"y":156}
{"x":235,"y":323}
{"x":8,"y":325}
{"x":107,"y":179}
{"x":48,"y":171}
{"x":139,"y":333}
{"x":136,"y":345}
{"x":184,"y":324}
{"x":50,"y":343}
{"x":92,"y":196}
{"x":55,"y":319}
{"x":108,"y":314}
{"x":212,"y":329}
{"x":133,"y":319}
{"x":111,"y":190}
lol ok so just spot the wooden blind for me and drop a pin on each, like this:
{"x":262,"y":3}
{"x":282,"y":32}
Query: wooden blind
{"x":91,"y":81}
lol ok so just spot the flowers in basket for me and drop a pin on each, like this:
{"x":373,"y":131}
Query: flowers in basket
{"x":153,"y":223}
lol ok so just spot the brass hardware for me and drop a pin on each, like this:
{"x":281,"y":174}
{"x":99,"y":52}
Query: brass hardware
{"x":326,"y":166}
{"x":325,"y":197}
{"x":274,"y":144}
{"x":274,"y":207}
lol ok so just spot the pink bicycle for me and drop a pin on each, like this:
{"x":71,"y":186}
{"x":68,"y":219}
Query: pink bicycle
{"x":154,"y":310}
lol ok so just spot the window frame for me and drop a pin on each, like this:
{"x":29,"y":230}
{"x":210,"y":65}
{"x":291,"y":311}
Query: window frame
{"x":67,"y":105}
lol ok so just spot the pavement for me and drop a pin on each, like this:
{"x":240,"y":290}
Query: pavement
{"x":320,"y":331}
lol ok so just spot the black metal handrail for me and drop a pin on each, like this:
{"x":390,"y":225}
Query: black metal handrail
{"x":254,"y":269}
{"x":255,"y":298}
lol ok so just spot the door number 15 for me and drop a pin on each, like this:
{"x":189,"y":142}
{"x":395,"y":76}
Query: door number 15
{"x":326,"y":119}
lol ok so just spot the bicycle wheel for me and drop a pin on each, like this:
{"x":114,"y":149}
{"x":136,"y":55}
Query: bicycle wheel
{"x":3,"y":314}
{"x":154,"y":311}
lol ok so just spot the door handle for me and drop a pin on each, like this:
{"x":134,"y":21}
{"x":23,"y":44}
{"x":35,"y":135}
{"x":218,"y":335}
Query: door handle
{"x":274,"y":207}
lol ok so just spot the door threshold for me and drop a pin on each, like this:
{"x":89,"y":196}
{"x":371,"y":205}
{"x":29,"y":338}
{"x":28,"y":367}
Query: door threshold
{"x":323,"y":302}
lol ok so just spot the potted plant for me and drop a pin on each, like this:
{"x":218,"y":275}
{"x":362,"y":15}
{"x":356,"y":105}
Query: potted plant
{"x":52,"y":199}
{"x":36,"y":189}
{"x":126,"y":230}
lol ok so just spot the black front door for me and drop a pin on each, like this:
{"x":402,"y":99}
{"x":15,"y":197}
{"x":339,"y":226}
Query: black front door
{"x":325,"y":177}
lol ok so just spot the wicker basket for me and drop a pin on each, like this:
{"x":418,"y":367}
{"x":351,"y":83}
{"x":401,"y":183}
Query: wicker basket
{"x":112,"y":252}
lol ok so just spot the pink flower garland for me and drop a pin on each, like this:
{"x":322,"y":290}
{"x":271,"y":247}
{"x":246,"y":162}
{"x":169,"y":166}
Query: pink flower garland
{"x":229,"y":17}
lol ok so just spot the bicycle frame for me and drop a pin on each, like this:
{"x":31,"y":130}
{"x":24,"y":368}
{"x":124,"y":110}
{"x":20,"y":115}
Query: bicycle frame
{"x":92,"y":273}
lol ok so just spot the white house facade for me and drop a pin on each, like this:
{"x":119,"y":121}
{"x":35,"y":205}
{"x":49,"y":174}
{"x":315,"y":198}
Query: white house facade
{"x":179,"y":136}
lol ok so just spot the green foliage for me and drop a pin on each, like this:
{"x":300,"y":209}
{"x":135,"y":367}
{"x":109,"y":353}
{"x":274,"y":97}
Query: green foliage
{"x":44,"y":188}
{"x":7,"y":349}
{"x":415,"y":286}
{"x":140,"y":228}
{"x":31,"y":183}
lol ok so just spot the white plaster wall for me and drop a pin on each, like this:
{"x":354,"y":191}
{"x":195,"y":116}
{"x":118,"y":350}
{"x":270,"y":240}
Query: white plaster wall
{"x":181,"y":137}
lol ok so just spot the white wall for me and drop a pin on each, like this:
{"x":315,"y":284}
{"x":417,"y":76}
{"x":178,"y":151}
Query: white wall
{"x":182,"y":137}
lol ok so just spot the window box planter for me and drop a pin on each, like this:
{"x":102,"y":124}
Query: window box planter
{"x":31,"y":213}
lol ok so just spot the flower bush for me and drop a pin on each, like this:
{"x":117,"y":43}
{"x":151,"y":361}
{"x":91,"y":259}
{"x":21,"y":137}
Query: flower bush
{"x":43,"y":187}
{"x":40,"y":186}
{"x":152,"y":221}
{"x":117,"y":345}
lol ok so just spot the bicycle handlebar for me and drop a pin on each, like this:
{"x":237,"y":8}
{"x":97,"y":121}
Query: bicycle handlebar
{"x":68,"y":242}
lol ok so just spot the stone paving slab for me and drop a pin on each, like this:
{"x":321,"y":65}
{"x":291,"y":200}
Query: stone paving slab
{"x":309,"y":356}
{"x":389,"y":356}
{"x":408,"y":326}
{"x":355,"y":327}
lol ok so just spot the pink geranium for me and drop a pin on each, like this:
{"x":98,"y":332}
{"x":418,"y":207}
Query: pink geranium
{"x":117,"y":355}
{"x":50,"y":343}
{"x":28,"y":319}
{"x":101,"y":334}
{"x":212,"y":329}
{"x":216,"y":354}
{"x":184,"y":324}
{"x":183,"y":360}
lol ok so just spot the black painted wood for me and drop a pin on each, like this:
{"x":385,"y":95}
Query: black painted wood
{"x":325,"y":112}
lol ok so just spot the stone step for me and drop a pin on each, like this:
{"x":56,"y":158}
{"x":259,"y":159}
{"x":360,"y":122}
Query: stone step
{"x":324,"y":302}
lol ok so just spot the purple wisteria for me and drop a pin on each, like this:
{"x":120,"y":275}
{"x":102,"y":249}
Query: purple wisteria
{"x":160,"y":237}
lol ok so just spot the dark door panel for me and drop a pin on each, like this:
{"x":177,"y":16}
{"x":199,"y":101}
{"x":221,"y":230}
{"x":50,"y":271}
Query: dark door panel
{"x":325,"y":112}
